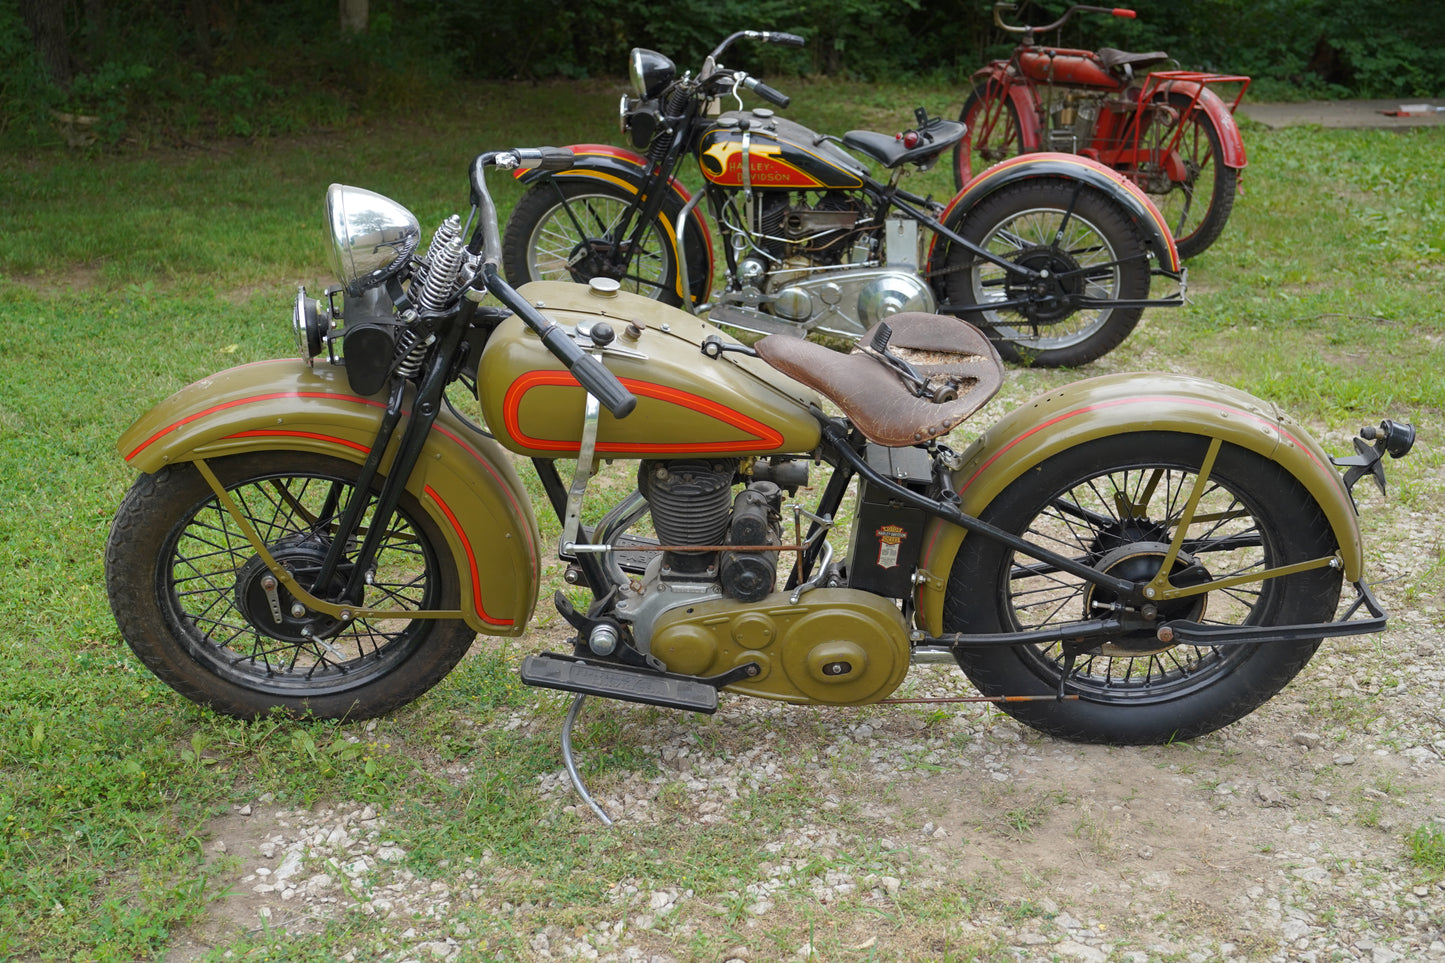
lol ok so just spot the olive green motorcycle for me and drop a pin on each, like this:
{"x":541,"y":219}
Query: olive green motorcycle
{"x":1128,"y":559}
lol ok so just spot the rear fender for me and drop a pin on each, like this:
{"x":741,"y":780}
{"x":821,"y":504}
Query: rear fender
{"x":1119,"y":404}
{"x":1068,"y":167}
{"x":463,"y":480}
{"x":1231,"y":143}
{"x":626,"y":169}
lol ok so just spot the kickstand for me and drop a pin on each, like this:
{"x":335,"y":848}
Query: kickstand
{"x":571,"y":764}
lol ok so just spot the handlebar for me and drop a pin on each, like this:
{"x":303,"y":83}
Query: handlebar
{"x":762,"y":36}
{"x":590,"y":373}
{"x":999,"y":8}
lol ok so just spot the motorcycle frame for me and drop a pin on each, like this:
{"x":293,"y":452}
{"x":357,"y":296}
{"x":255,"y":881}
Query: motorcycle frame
{"x":222,"y":427}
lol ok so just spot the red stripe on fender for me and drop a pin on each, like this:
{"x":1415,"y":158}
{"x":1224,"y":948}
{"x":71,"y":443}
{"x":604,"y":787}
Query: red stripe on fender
{"x":471,"y":560}
{"x":188,"y":419}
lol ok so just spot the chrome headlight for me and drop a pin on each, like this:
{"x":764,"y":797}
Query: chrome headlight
{"x":650,"y":71}
{"x":371,"y":236}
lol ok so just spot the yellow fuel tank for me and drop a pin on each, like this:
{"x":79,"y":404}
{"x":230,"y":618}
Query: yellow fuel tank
{"x":688,"y":404}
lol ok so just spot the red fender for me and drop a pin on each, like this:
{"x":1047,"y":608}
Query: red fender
{"x":1025,"y":105}
{"x":625,"y":168}
{"x":1231,"y":144}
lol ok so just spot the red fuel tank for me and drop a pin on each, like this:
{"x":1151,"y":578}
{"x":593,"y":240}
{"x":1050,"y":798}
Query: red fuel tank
{"x":1079,"y":67}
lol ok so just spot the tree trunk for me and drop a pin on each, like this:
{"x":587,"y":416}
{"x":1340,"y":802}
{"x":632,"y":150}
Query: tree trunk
{"x":354,"y":16}
{"x":46,"y":20}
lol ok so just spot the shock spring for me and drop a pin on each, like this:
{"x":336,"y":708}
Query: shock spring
{"x":411,"y":349}
{"x":444,"y":258}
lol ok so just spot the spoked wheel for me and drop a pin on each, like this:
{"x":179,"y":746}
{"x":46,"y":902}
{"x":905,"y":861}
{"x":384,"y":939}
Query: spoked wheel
{"x":1191,"y":187}
{"x":562,"y":231}
{"x":993,"y":133}
{"x":1115,"y":504}
{"x":1067,"y":245}
{"x":202,"y":610}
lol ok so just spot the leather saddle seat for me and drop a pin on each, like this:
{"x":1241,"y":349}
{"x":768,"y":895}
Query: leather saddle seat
{"x":1115,"y":60}
{"x":889,"y":151}
{"x":872,"y":394}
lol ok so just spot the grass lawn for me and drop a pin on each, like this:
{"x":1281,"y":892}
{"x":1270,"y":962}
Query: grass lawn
{"x":125,"y":276}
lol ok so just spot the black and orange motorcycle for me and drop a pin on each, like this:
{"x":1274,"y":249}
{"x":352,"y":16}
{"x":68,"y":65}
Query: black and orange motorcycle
{"x":1052,"y":255}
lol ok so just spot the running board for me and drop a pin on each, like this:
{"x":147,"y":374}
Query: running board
{"x":552,"y":671}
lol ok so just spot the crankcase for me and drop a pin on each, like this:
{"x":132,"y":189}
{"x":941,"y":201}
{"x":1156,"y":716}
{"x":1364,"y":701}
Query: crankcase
{"x":834,"y":646}
{"x":1111,"y":405}
{"x":688,"y":404}
{"x":848,"y":302}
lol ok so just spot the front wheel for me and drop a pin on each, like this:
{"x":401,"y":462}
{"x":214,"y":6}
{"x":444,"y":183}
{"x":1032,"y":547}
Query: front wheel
{"x":1068,"y":245}
{"x":1114,"y":504}
{"x":576,"y":231}
{"x":992,"y":134}
{"x":198,"y":605}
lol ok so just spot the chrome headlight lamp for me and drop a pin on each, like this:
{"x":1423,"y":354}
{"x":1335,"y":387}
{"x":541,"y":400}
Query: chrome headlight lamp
{"x":649,"y":71}
{"x":372,"y":236}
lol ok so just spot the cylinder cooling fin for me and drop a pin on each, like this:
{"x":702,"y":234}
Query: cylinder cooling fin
{"x":691,"y":504}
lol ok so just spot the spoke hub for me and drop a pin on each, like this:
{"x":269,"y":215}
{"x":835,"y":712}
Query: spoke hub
{"x":1139,"y":562}
{"x":273,"y":611}
{"x":1050,"y":289}
{"x":595,"y":258}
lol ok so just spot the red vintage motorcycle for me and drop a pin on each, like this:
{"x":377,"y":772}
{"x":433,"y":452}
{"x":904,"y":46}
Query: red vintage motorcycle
{"x":1170,"y":132}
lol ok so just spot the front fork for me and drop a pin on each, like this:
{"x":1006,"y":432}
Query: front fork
{"x":425,"y":408}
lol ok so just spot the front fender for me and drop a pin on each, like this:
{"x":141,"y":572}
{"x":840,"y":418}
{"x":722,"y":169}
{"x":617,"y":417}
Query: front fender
{"x":1118,"y":404}
{"x":626,"y":169}
{"x":1070,"y":167}
{"x":1231,"y":143}
{"x":995,"y":78}
{"x":464,"y":481}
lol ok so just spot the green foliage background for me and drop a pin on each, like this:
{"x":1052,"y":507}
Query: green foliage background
{"x":159,"y":70}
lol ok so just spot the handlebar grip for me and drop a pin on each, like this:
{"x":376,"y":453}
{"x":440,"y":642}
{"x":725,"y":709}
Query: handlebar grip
{"x":604,"y":386}
{"x":775,"y":97}
{"x":786,"y":39}
{"x":542,"y":158}
{"x":1127,"y":14}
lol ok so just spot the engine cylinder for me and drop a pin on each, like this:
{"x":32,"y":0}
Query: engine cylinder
{"x":691,"y":502}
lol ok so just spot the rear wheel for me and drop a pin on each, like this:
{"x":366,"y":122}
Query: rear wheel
{"x":1073,"y":245}
{"x":1192,"y":188}
{"x":201,"y":609}
{"x":993,"y":133}
{"x":1114,"y":504}
{"x":569,"y":231}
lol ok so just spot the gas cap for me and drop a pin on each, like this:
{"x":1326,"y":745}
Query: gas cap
{"x":604,"y":287}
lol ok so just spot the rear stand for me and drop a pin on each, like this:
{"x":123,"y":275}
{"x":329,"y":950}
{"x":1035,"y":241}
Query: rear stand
{"x":571,"y":763}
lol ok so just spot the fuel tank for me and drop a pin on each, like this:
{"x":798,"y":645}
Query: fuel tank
{"x":781,"y":154}
{"x":688,"y":404}
{"x":1062,"y":66}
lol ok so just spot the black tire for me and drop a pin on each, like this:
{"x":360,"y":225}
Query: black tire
{"x":1022,"y":223}
{"x":1196,"y":208}
{"x":560,"y":231}
{"x":187,"y":592}
{"x":1135,"y":690}
{"x":993,"y":133}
